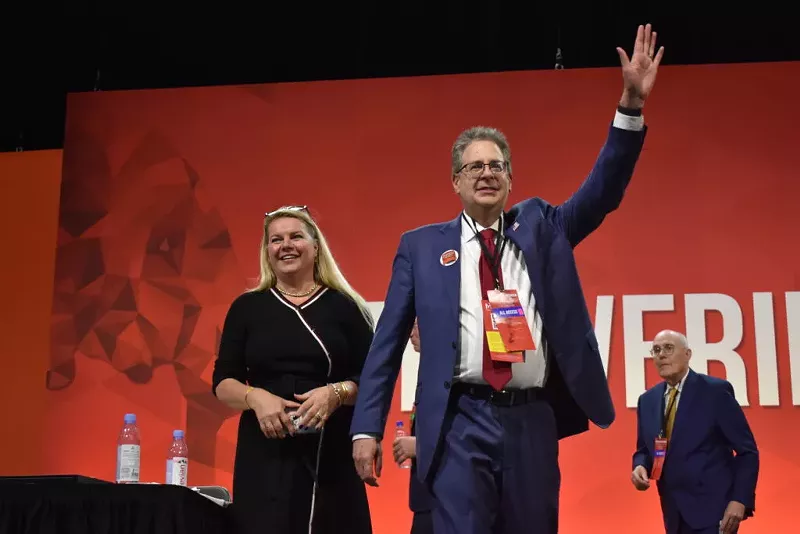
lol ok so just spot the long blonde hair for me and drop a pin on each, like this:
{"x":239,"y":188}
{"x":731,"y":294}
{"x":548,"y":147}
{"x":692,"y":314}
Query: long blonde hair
{"x":326,"y":271}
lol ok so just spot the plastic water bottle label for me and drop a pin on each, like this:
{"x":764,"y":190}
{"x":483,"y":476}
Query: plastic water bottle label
{"x":128,"y":463}
{"x":177,"y":471}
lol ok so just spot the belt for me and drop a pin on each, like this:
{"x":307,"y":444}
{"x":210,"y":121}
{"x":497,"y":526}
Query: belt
{"x":504,"y":397}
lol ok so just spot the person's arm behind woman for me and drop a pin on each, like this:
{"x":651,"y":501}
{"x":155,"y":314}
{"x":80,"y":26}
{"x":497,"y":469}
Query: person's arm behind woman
{"x":361,"y":334}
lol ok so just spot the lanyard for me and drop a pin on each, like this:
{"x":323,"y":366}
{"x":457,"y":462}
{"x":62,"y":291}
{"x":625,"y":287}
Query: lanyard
{"x":499,"y":246}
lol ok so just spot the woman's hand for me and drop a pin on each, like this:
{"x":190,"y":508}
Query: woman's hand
{"x":271,"y":413}
{"x":318,"y":405}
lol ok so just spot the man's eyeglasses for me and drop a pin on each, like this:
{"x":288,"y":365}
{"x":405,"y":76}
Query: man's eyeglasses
{"x":287,"y":208}
{"x":475,"y":169}
{"x":666,"y":350}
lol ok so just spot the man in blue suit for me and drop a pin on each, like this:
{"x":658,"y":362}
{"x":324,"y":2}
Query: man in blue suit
{"x":704,"y":488}
{"x":487,"y":430}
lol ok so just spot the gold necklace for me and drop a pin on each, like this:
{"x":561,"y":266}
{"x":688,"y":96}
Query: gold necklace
{"x":297,"y":295}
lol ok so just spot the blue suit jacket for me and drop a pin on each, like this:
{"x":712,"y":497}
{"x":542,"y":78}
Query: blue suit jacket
{"x":419,"y":497}
{"x":701,"y":475}
{"x":421,"y":287}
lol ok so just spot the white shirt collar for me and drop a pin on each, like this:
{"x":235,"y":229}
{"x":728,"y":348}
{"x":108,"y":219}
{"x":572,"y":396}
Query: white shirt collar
{"x":679,"y":386}
{"x":468,"y":232}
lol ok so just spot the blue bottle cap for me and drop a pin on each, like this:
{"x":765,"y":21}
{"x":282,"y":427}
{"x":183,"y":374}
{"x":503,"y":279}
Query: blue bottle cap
{"x":130,"y":418}
{"x":177,"y":434}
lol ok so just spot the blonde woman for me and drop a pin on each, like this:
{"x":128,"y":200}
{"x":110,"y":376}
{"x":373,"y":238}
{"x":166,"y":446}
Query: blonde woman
{"x":290,"y":357}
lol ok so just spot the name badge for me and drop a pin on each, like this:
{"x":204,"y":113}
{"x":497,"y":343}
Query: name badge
{"x":507,"y":332}
{"x":658,"y":458}
{"x":509,"y":319}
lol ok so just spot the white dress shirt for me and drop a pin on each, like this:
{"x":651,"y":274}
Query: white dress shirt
{"x":527,"y":374}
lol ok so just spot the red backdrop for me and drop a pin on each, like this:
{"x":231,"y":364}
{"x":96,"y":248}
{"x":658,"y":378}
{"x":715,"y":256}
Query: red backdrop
{"x":29,"y":185}
{"x":163,"y":197}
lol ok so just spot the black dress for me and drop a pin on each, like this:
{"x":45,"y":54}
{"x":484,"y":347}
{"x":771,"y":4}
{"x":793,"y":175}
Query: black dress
{"x":270,"y":343}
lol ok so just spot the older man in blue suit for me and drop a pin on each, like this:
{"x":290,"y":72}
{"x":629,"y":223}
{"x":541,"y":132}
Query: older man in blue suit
{"x":487,"y":430}
{"x":704,"y":487}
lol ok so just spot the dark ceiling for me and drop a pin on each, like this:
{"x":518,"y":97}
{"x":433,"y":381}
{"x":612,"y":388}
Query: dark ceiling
{"x":99,"y":47}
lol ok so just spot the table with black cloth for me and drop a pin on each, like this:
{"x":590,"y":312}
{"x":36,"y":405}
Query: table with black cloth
{"x":76,"y":505}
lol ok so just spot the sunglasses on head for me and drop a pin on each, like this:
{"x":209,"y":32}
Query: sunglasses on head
{"x":287,"y":208}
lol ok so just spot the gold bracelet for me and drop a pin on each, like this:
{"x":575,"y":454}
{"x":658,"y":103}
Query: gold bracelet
{"x":347,"y":392}
{"x":336,"y":391}
{"x":246,"y":393}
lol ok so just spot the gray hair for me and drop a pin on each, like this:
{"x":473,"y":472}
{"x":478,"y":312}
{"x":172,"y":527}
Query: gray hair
{"x":479,"y":133}
{"x":682,"y":339}
{"x":677,"y":335}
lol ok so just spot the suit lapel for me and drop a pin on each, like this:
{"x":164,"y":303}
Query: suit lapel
{"x":514,"y":230}
{"x":684,"y":407}
{"x":451,"y":275}
{"x":524,"y":234}
{"x":658,"y":409}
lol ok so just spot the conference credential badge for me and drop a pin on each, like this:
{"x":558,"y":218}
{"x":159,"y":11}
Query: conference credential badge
{"x":506,"y":328}
{"x":658,"y":458}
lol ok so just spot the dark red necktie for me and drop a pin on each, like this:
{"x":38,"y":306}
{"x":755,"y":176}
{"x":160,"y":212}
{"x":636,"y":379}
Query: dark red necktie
{"x":497,"y":374}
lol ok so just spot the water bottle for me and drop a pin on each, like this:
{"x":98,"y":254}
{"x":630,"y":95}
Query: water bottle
{"x":128,"y":451}
{"x":178,"y":460}
{"x":399,"y":433}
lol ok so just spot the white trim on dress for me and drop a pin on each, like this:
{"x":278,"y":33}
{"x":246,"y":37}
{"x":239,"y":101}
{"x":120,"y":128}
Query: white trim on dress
{"x":297,"y":309}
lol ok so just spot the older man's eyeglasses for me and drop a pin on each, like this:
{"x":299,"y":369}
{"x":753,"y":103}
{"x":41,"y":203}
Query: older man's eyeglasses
{"x":475,"y":169}
{"x":286,"y":208}
{"x":666,"y":349}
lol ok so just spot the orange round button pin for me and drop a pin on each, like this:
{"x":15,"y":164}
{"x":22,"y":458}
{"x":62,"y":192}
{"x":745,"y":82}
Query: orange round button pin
{"x":448,"y":258}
